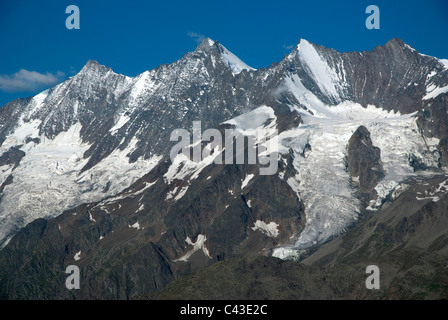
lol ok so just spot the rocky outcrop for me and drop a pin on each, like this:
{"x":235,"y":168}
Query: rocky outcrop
{"x":363,"y":161}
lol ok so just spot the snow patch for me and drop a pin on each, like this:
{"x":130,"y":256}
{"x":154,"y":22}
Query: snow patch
{"x":435,"y":199}
{"x":176,"y":193}
{"x":135,"y":226}
{"x":270,"y":229}
{"x":122,"y":120}
{"x":198,"y":245}
{"x":141,"y":207}
{"x":432,"y":91}
{"x":147,"y":186}
{"x":77,"y":256}
{"x":248,"y":122}
{"x":246,"y":180}
{"x":233,"y":62}
{"x":182,"y":167}
{"x":142,"y":85}
{"x":444,"y":62}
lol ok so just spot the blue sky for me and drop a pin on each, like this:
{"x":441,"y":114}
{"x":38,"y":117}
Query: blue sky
{"x":38,"y":51}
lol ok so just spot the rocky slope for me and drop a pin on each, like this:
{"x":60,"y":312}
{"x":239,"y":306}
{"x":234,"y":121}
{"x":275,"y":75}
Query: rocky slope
{"x":408,"y":241}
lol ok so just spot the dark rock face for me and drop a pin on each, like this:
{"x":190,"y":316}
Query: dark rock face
{"x":10,"y":158}
{"x":433,"y":121}
{"x":363,"y":160}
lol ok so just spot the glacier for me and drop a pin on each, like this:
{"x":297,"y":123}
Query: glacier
{"x":322,"y":182}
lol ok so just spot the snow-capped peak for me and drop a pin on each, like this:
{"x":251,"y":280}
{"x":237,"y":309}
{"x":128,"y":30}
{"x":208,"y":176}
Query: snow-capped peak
{"x":302,"y":42}
{"x":93,"y":65}
{"x":326,"y":78}
{"x":444,"y":62}
{"x":209,"y":42}
{"x":216,"y":50}
{"x":232,"y":61}
{"x":205,"y":44}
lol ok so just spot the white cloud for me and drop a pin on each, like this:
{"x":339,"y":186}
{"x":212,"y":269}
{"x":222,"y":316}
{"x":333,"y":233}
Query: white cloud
{"x":29,"y":81}
{"x":73,"y":71}
{"x":196,"y":36}
{"x":288,"y":47}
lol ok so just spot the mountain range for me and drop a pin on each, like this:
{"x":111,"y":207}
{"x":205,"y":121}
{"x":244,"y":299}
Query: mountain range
{"x":361,"y":138}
